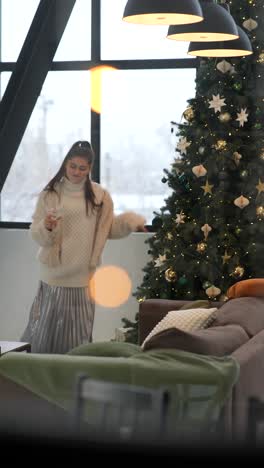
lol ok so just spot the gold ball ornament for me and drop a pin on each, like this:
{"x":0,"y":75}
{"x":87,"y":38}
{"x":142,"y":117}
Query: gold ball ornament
{"x":188,"y":114}
{"x":238,"y":272}
{"x":261,"y":58}
{"x":201,"y":247}
{"x":224,"y":117}
{"x":220,"y":145}
{"x":260,"y":211}
{"x":141,"y":299}
{"x":170,"y":275}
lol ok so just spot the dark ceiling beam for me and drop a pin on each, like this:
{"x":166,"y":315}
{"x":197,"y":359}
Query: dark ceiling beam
{"x":26,"y":81}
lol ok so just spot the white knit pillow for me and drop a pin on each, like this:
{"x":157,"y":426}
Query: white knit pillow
{"x":187,"y":320}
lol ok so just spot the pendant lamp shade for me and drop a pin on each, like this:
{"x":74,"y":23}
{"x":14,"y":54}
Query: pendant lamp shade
{"x":162,"y":11}
{"x":237,"y":48}
{"x":218,"y":25}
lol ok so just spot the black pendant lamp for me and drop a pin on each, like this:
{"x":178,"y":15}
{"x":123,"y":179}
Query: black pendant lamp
{"x":218,"y":25}
{"x":238,"y":48}
{"x":162,"y":11}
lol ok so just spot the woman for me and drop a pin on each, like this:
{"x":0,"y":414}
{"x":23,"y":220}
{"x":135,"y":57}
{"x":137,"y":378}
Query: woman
{"x":72,"y":221}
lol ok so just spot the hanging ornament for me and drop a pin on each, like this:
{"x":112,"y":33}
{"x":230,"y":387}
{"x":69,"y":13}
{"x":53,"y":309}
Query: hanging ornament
{"x":242,"y":117}
{"x":260,"y":211}
{"x":216,"y":103}
{"x":188,"y":114}
{"x":182,"y":145}
{"x":220,"y":145}
{"x":224,"y":117}
{"x":241,"y":202}
{"x":237,"y":156}
{"x":160,"y":260}
{"x":238,"y":272}
{"x":180,"y":218}
{"x":224,"y":66}
{"x":213,"y":291}
{"x":260,"y":186}
{"x":170,"y":275}
{"x":201,"y":150}
{"x":250,"y":24}
{"x":182,"y":281}
{"x":226,"y":257}
{"x":207,"y":188}
{"x":206,"y":229}
{"x":199,"y":171}
{"x":201,"y":247}
{"x":258,"y":125}
{"x":169,"y":236}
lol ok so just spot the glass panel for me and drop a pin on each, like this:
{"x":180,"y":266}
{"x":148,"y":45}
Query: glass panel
{"x":124,"y":41}
{"x":4,"y":76}
{"x":61,"y":116}
{"x":136,"y":139}
{"x":75,"y":43}
{"x":17,"y":16}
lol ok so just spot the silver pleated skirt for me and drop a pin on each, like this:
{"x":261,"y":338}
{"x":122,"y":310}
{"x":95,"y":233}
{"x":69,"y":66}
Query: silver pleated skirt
{"x":60,"y":319}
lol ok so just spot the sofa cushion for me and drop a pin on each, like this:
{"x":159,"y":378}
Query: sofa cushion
{"x":214,"y":341}
{"x":248,"y":312}
{"x":250,"y":287}
{"x":188,"y":320}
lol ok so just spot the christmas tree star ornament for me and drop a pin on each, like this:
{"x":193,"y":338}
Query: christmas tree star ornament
{"x":180,"y":218}
{"x":260,"y":187}
{"x":226,"y":257}
{"x":160,"y":260}
{"x":207,"y":188}
{"x":183,"y":144}
{"x":242,"y":117}
{"x":217,"y":103}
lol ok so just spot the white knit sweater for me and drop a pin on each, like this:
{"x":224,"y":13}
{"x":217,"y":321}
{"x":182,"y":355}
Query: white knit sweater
{"x":72,"y":251}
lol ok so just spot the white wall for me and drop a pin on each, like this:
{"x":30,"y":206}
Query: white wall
{"x":19,"y":280}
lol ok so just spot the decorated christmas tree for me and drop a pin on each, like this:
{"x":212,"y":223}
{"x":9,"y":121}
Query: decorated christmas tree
{"x":210,"y":232}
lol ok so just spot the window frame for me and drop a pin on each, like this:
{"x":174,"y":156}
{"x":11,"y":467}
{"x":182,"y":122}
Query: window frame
{"x":79,"y":65}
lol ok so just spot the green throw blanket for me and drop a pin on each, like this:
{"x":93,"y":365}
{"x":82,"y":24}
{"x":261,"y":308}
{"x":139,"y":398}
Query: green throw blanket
{"x":199,"y":384}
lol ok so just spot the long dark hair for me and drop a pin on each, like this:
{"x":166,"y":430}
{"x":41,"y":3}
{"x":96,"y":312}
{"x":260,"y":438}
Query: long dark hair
{"x":85,"y":151}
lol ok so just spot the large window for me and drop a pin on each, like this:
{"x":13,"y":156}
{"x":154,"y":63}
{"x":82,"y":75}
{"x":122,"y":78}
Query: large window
{"x":147,"y":86}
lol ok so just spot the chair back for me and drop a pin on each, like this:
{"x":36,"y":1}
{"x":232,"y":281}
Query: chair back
{"x":112,"y":410}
